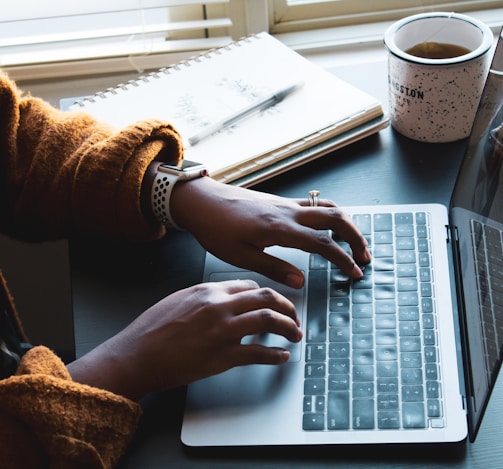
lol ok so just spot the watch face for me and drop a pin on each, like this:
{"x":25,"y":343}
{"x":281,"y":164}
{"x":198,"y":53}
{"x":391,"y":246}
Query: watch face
{"x":183,"y":165}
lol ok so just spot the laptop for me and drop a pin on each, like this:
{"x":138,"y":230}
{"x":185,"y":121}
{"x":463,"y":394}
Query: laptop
{"x":410,"y":353}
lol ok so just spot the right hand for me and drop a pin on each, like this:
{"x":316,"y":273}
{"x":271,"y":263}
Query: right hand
{"x":191,"y":334}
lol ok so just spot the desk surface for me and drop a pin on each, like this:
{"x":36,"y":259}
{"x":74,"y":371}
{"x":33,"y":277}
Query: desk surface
{"x":124,"y":280}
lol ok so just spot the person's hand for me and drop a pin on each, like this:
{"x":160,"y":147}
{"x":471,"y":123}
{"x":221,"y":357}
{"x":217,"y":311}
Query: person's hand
{"x":189,"y":335}
{"x":237,"y":224}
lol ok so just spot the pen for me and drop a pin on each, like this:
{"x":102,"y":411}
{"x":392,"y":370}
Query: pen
{"x":264,"y":103}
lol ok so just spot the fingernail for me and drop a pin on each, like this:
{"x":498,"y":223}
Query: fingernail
{"x":294,"y":280}
{"x":368,"y":256}
{"x":284,"y":356}
{"x":356,"y":272}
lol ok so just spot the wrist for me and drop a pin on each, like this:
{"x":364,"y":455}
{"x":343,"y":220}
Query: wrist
{"x":146,"y":191}
{"x":167,"y":178}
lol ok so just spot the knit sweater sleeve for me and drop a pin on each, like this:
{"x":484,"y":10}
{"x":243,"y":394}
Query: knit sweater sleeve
{"x":65,"y":172}
{"x":46,"y":420}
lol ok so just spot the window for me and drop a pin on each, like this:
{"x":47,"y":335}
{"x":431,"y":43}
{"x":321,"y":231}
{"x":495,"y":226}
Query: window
{"x":61,"y":37}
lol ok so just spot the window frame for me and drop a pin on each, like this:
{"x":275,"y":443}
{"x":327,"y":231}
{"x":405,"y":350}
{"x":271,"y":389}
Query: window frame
{"x":315,"y":14}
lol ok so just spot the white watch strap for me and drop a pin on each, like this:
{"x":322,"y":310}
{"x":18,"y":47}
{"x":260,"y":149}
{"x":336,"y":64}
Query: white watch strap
{"x":161,"y":196}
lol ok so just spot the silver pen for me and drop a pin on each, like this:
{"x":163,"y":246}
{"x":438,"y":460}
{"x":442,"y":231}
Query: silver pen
{"x":264,"y":103}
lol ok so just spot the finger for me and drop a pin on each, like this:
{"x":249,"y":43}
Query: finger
{"x":238,"y":285}
{"x":321,"y":202}
{"x":265,"y":321}
{"x":263,"y":299}
{"x":253,"y":258}
{"x":251,"y":354}
{"x":310,"y":240}
{"x":337,"y":220}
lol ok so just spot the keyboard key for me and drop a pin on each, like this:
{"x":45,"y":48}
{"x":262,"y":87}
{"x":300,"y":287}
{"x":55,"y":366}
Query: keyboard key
{"x":313,"y":422}
{"x":339,"y":304}
{"x":364,"y":223}
{"x":383,"y":222}
{"x":338,"y":366}
{"x":384,"y":278}
{"x":314,"y":386}
{"x":406,"y":270}
{"x":412,"y":393}
{"x":363,"y":341}
{"x":405,"y":244}
{"x":315,"y":370}
{"x":339,"y":319}
{"x":362,"y":310}
{"x":408,"y":313}
{"x":362,"y":296}
{"x":386,"y":337}
{"x":404,"y":218}
{"x":387,"y":385}
{"x":338,"y":411}
{"x":420,"y":218}
{"x":361,"y":390}
{"x":411,"y":360}
{"x":338,"y":382}
{"x":339,"y":334}
{"x":363,"y":373}
{"x":407,"y":284}
{"x":387,"y":402}
{"x":432,"y":390}
{"x":387,"y":369}
{"x":317,"y":262}
{"x":316,"y":325}
{"x":316,"y":352}
{"x":363,"y":357}
{"x":384,"y":292}
{"x":434,"y":408}
{"x":362,"y":326}
{"x":339,"y":350}
{"x":386,"y":352}
{"x":405,"y":257}
{"x":388,"y":420}
{"x":411,"y":376}
{"x":413,"y":415}
{"x":410,"y":344}
{"x":404,"y":231}
{"x":382,"y":250}
{"x":363,"y":414}
{"x":385,"y":307}
{"x":385,"y":321}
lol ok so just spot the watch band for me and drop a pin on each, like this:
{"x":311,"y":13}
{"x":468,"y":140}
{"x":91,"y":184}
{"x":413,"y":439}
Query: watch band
{"x":161,"y":195}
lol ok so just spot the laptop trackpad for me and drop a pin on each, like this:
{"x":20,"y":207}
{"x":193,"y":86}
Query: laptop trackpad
{"x":295,"y":296}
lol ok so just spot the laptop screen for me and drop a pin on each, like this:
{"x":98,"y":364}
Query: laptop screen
{"x":477,"y":215}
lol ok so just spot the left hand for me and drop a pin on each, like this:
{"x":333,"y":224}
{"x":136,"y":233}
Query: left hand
{"x":237,"y":224}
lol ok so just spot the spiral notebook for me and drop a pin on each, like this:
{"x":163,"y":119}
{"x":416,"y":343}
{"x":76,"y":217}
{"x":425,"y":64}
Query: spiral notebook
{"x":325,"y":113}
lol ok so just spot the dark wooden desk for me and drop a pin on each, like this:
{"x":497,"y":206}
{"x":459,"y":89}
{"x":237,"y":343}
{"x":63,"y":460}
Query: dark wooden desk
{"x":112,"y":284}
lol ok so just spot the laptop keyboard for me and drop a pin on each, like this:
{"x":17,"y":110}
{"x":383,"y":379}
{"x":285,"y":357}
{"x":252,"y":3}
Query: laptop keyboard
{"x":489,"y":273}
{"x":371,"y":345}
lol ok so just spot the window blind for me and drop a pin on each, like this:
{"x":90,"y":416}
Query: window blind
{"x":34,"y":33}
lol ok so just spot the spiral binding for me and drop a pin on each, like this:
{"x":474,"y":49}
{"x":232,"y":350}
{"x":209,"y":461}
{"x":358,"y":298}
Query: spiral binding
{"x":164,"y":71}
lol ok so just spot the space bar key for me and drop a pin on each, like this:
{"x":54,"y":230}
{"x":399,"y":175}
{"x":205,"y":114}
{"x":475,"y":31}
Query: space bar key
{"x":316,"y":326}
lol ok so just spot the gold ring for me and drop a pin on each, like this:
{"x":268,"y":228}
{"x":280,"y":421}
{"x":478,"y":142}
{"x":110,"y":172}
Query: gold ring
{"x":313,"y":198}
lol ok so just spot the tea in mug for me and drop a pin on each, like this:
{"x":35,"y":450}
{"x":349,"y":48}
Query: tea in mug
{"x":437,"y":50}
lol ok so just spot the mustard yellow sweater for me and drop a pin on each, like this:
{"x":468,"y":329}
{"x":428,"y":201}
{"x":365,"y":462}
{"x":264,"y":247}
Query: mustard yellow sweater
{"x":62,"y":173}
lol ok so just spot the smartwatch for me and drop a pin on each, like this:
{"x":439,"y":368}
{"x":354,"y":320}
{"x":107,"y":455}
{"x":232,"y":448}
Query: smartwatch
{"x":168,"y":174}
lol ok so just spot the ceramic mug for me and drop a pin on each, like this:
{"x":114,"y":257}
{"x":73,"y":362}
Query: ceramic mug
{"x":437,"y":66}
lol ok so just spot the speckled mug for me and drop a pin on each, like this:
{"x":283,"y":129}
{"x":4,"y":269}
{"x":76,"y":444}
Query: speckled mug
{"x":435,"y":100}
